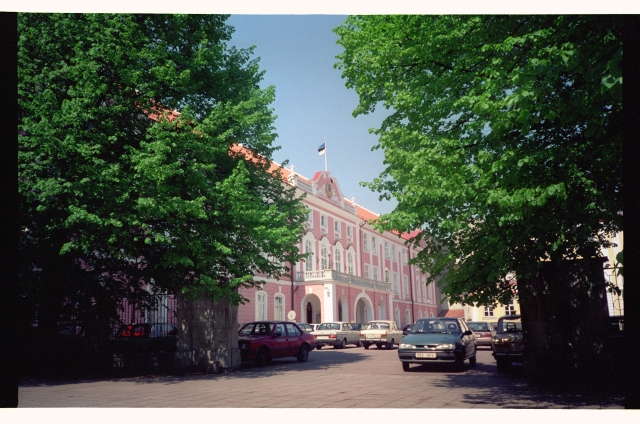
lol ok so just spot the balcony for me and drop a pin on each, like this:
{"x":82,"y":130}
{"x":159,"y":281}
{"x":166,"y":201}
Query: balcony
{"x":331,"y":275}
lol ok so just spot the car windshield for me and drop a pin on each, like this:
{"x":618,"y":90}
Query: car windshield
{"x":377,"y":326}
{"x":256,"y":328}
{"x":510,"y":326}
{"x":478,"y":326}
{"x":442,"y":326}
{"x":329,"y":326}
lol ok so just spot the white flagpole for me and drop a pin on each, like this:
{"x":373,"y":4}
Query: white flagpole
{"x":325,"y":155}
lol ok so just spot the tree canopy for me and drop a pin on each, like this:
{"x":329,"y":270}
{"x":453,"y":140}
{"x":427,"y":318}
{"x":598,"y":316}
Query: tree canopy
{"x":504,"y":141}
{"x":118,"y":191}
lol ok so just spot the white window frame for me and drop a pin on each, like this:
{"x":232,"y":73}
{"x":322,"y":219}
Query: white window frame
{"x":374,"y":248}
{"x":405,"y":285}
{"x":407,"y":315}
{"x":349,"y":231}
{"x":278,"y":307}
{"x":366,"y":271}
{"x":324,"y":257}
{"x":393,"y":253}
{"x":404,"y":257}
{"x":350,"y":263}
{"x":323,"y":223}
{"x":309,"y":218}
{"x":488,"y":311}
{"x":375,"y":273}
{"x":365,"y":242}
{"x":386,"y":249}
{"x":510,"y":308}
{"x":337,"y":229}
{"x":337,"y":259}
{"x":308,"y":248}
{"x":261,"y":305}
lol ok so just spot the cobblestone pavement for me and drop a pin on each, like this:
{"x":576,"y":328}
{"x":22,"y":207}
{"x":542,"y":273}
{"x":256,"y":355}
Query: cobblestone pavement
{"x":332,"y":378}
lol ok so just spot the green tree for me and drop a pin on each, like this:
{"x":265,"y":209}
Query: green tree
{"x":504,"y":141}
{"x":116,"y":191}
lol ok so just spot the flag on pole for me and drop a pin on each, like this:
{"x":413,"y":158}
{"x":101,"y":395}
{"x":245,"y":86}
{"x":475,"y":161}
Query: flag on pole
{"x":322,"y":148}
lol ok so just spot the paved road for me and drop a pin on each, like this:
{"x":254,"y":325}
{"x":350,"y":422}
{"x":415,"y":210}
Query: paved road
{"x":332,"y":378}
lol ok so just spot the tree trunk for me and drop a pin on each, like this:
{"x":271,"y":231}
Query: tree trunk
{"x":565,"y":322}
{"x":207,"y":332}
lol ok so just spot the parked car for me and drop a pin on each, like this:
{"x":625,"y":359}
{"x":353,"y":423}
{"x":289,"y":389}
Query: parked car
{"x":380,"y":332}
{"x":262,"y":341}
{"x":438,"y":340}
{"x":315,"y":326}
{"x":337,"y":334}
{"x":307,"y":328}
{"x":507,"y":343}
{"x":406,"y":329}
{"x":481,"y":331}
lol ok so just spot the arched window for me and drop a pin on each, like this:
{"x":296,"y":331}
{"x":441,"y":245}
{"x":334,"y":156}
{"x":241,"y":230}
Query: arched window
{"x":308,"y":248}
{"x":408,"y":316}
{"x":398,"y":317}
{"x":261,"y":305}
{"x":337,"y":260}
{"x":324,"y":257}
{"x":278,"y":307}
{"x":350,"y":263}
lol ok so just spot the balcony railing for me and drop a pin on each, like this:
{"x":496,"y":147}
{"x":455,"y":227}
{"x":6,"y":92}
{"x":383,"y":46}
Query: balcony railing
{"x":329,"y":274}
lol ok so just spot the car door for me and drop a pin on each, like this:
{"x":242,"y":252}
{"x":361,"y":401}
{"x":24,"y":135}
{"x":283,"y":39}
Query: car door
{"x":348,"y":333}
{"x":295,"y":338}
{"x":467,"y":340}
{"x":280,"y":342}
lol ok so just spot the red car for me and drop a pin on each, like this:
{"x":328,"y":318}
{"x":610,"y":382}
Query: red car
{"x":262,"y":341}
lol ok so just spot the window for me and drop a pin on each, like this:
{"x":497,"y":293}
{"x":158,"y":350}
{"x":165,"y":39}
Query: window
{"x":308,"y":248}
{"x":366,"y":271}
{"x":398,"y":317}
{"x":510,"y":309}
{"x":336,"y":228}
{"x":349,"y":231}
{"x":488,"y":311}
{"x":309,"y":219}
{"x":374,"y":248}
{"x":386,"y":276}
{"x":418,"y":293}
{"x":278,"y":310}
{"x":261,"y":305}
{"x":386,"y":249}
{"x":396,"y":289}
{"x":408,"y":317}
{"x":338,"y":260}
{"x":404,"y":257}
{"x":405,"y":285}
{"x":350,"y":263}
{"x":324,"y":257}
{"x":365,"y":242}
{"x":393,"y":252}
{"x":323,"y":223}
{"x":375,"y":273}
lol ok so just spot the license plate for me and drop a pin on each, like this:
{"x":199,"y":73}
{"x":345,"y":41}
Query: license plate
{"x":372,"y":337}
{"x":426,"y":355}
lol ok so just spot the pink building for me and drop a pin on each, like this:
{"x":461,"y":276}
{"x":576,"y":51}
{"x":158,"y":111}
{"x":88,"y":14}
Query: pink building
{"x":354,"y":274}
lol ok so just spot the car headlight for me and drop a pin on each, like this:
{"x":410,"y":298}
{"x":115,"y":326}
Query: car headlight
{"x":406,"y":346}
{"x":446,"y":346}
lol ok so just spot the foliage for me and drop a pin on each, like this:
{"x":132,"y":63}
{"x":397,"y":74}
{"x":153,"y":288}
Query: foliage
{"x":112,"y":200}
{"x":504,"y":141}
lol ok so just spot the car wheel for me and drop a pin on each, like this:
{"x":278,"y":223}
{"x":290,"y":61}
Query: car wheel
{"x":303,"y":354}
{"x":262,"y":357}
{"x":378,"y":345}
{"x":366,"y":345}
{"x":473,"y":359}
{"x":359,"y":343}
{"x":343,"y":344}
{"x":319,"y":347}
{"x":405,"y":366}
{"x":390,"y":345}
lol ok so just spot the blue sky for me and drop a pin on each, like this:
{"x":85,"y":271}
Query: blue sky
{"x":298,"y":53}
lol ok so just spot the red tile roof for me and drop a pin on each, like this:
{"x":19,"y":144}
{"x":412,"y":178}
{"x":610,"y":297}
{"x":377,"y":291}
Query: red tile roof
{"x":451,"y":313}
